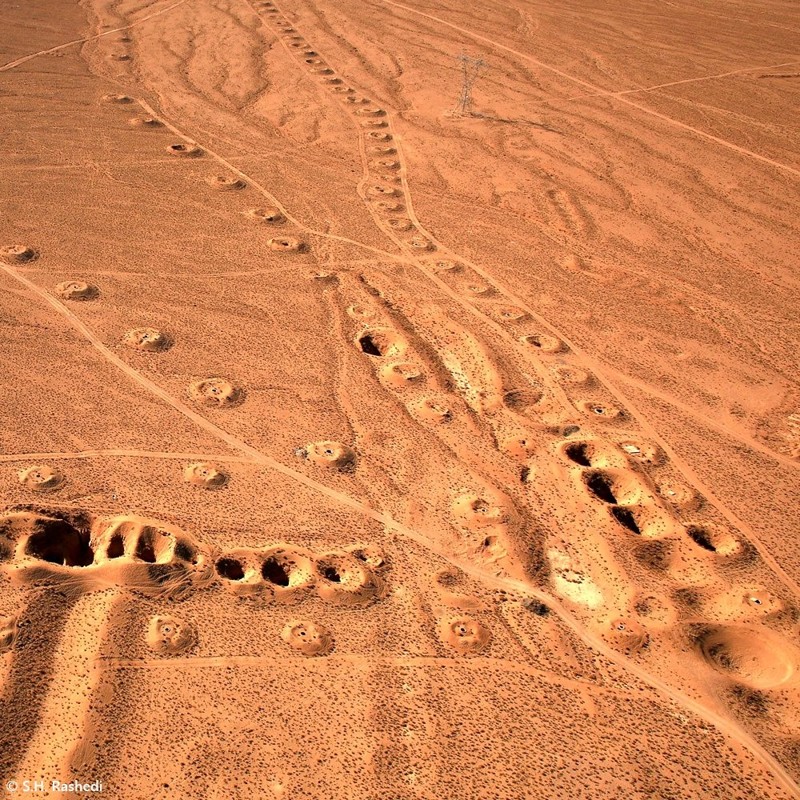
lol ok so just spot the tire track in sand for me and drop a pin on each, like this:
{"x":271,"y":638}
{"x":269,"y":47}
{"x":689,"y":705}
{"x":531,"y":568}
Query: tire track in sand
{"x":392,"y":526}
{"x":151,"y":112}
{"x":31,"y":56}
{"x":699,"y":79}
{"x":724,"y":725}
{"x":592,"y":88}
{"x":421,"y":265}
{"x":412,"y":258}
{"x":10,"y":457}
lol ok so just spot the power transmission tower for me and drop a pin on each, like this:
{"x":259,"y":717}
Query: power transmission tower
{"x":471,"y":70}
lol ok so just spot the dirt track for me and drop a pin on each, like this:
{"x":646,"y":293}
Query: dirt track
{"x":362,"y":448}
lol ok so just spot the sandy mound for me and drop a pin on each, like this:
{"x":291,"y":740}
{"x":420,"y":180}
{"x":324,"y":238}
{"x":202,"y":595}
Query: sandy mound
{"x":389,"y":207}
{"x":185,"y":150}
{"x":465,"y":635}
{"x":41,"y":478}
{"x":647,"y":521}
{"x":656,"y":609}
{"x":615,"y":486}
{"x":267,"y":215}
{"x":286,"y":245}
{"x":83,"y":552}
{"x":520,"y":447}
{"x":448,"y":267}
{"x":591,"y":453}
{"x":386,"y":163}
{"x":369,"y":111}
{"x":346,"y":580}
{"x":543,"y":342}
{"x":763,"y":602}
{"x":381,"y":342}
{"x":681,"y":496}
{"x":380,"y":190}
{"x":216,"y":393}
{"x":749,"y":602}
{"x":77,"y":290}
{"x":627,"y":635}
{"x":716,"y":540}
{"x":169,"y":635}
{"x":573,"y":376}
{"x":511,"y":314}
{"x":148,"y":340}
{"x":145,"y":122}
{"x":8,"y":633}
{"x":523,"y":401}
{"x":205,"y":475}
{"x":481,"y":511}
{"x":402,"y":375}
{"x":433,"y":410}
{"x":480,"y":290}
{"x":308,"y":638}
{"x":331,"y":455}
{"x":358,"y":311}
{"x":289,"y":571}
{"x":369,"y":554}
{"x":755,"y":657}
{"x":420,"y":243}
{"x":17,"y":254}
{"x":225,"y":183}
{"x":146,"y":540}
{"x":643,"y":452}
{"x":240,"y":572}
{"x":597,"y":409}
{"x":128,"y":537}
{"x":119,"y":99}
{"x":62,"y":538}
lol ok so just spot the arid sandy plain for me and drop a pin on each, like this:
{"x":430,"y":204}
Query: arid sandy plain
{"x":355,"y":448}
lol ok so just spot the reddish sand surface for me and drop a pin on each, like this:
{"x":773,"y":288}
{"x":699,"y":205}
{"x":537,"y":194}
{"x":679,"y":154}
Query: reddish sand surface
{"x":355,"y":447}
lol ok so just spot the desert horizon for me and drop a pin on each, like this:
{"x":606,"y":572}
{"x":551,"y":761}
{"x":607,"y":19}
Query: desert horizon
{"x":402,"y":399}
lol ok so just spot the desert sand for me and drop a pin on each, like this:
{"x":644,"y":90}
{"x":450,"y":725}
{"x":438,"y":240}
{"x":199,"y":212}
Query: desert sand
{"x":356,"y":447}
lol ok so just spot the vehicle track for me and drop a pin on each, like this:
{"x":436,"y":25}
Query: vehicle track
{"x":699,"y":79}
{"x":749,"y":441}
{"x":582,"y":358}
{"x":8,"y":457}
{"x":24,"y":59}
{"x":392,"y":526}
{"x":518,"y":587}
{"x":622,"y":99}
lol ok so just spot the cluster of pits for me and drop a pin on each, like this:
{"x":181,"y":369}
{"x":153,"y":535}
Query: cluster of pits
{"x":144,"y":555}
{"x":346,"y":577}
